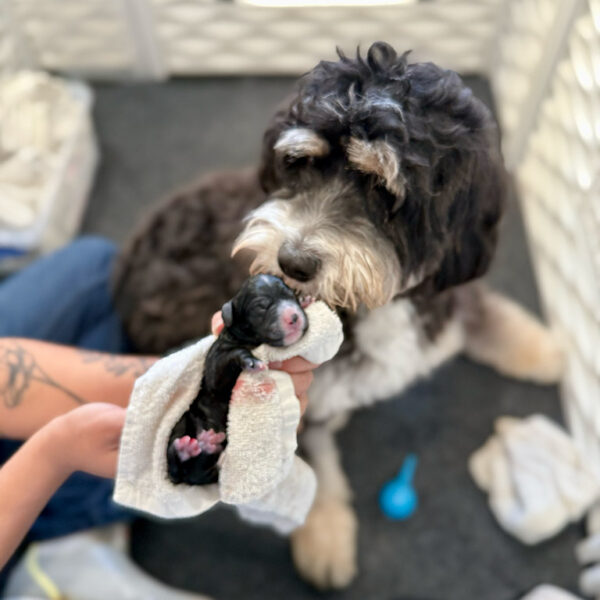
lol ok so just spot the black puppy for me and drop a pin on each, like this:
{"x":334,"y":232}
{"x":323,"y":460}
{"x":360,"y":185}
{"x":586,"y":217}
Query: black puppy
{"x":264,"y":311}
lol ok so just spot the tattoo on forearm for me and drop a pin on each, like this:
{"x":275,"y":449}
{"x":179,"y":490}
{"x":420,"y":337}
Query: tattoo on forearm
{"x":23,"y":370}
{"x":118,"y":365}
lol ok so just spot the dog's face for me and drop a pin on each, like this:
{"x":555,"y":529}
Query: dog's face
{"x":382,"y":176}
{"x":265,"y":311}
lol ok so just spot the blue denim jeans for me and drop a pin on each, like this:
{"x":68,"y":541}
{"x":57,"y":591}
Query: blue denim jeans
{"x":65,"y":297}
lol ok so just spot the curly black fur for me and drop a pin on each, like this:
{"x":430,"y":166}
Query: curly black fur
{"x":176,"y":269}
{"x":444,"y":227}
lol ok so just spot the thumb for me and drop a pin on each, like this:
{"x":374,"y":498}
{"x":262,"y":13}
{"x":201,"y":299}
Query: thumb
{"x":216,"y":323}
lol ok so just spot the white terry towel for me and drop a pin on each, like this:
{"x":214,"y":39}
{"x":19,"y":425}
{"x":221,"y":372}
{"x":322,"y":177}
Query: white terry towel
{"x":535,"y":477}
{"x":549,"y":592}
{"x":260,"y":472}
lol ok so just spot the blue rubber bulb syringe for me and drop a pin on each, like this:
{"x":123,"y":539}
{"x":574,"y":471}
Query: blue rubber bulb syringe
{"x":398,"y":498}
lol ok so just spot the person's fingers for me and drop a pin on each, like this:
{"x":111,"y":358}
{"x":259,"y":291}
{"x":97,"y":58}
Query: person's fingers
{"x":116,"y":416}
{"x":301,"y":371}
{"x":303,"y":398}
{"x":112,"y":423}
{"x":216,"y":323}
{"x":109,"y":467}
{"x":296,"y":364}
{"x":302,"y":382}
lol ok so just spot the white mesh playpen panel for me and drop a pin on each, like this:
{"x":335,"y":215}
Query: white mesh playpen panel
{"x":154,"y":38}
{"x":7,"y":42}
{"x":559,"y":182}
{"x":91,"y":37}
{"x":523,"y":34}
{"x":219,"y":37}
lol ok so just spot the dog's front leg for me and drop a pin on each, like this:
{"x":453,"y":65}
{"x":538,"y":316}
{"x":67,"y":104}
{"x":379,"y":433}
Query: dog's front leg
{"x":324,"y":548}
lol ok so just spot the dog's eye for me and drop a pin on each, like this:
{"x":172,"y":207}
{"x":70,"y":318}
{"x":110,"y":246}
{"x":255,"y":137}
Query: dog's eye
{"x":393,"y":202}
{"x":261,"y":304}
{"x":379,"y":185}
{"x":297,"y":161}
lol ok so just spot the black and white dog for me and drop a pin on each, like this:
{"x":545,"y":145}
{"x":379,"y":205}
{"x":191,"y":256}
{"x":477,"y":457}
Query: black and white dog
{"x":380,"y":192}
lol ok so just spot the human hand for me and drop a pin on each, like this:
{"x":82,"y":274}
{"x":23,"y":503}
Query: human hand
{"x":86,"y":439}
{"x":299,"y":369}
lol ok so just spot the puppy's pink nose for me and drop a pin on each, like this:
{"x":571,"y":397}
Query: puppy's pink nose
{"x":290,"y":315}
{"x":293,"y":323}
{"x":300,"y":265}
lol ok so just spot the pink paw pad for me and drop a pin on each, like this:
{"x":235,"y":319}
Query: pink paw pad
{"x":210,"y":441}
{"x":306,"y":301}
{"x":258,"y":366}
{"x":187,"y":447}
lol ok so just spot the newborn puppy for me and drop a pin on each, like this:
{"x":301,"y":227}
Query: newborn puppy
{"x":264,"y":311}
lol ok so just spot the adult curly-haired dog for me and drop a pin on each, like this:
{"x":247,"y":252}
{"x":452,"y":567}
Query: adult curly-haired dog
{"x":380,"y":191}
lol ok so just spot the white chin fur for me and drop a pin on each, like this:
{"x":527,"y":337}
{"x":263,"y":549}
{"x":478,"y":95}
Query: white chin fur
{"x":356,"y":269}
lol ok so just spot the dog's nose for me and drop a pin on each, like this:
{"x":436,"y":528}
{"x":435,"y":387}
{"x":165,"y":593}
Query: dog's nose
{"x":298,"y":264}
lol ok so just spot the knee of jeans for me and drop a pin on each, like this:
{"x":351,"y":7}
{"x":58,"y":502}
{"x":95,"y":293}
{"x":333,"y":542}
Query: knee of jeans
{"x":94,"y":248}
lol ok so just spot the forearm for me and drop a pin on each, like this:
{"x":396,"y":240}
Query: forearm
{"x":39,"y":381}
{"x":27,"y":481}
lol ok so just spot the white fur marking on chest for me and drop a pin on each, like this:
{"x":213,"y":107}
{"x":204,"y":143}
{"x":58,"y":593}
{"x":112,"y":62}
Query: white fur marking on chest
{"x":391,"y":353}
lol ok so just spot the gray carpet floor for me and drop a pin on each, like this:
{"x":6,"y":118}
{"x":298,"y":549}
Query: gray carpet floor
{"x":154,"y":137}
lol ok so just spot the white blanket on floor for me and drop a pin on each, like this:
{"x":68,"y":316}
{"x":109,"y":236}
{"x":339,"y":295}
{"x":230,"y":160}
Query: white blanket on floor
{"x":536,"y":479}
{"x":260,"y":473}
{"x":549,"y":592}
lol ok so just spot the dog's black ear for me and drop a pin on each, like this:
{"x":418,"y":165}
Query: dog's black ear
{"x":473,"y":220}
{"x":461,"y":194}
{"x":268,"y":175}
{"x":227,"y":314}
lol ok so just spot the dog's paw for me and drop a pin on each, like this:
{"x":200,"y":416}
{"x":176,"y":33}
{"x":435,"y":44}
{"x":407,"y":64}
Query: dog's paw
{"x":324,"y":548}
{"x":306,"y":301}
{"x":548,"y":364}
{"x":538,"y":356}
{"x":253,"y":365}
{"x":210,"y":441}
{"x":186,"y":447}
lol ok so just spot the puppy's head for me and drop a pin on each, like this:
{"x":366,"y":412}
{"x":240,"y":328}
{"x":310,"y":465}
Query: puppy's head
{"x":265,"y":311}
{"x":382,"y":176}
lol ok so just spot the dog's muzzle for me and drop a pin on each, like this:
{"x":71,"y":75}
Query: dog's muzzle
{"x":298,"y":264}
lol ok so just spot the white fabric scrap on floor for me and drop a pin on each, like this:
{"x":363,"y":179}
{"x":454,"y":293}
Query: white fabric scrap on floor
{"x":535,"y":477}
{"x":549,"y":592}
{"x":38,"y":115}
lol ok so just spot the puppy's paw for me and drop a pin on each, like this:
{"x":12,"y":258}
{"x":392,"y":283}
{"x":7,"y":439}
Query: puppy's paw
{"x":324,"y":548}
{"x":306,"y":301}
{"x":210,"y":441}
{"x":253,"y":365}
{"x":186,"y":447}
